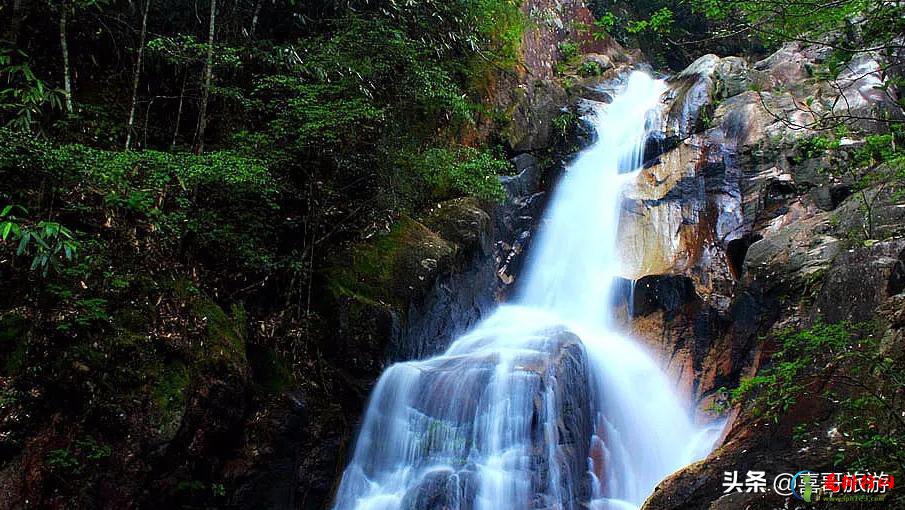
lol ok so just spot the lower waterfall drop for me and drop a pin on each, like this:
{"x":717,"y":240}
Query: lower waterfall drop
{"x":543,"y":404}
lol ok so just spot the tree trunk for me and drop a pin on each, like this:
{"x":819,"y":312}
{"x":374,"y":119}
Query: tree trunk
{"x":179,"y":111}
{"x":208,"y":71}
{"x":64,"y":46}
{"x":11,"y":31}
{"x":254,"y":19}
{"x":137,"y":74}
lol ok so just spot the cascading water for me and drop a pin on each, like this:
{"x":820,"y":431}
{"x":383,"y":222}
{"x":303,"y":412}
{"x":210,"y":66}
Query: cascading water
{"x":492,"y":423}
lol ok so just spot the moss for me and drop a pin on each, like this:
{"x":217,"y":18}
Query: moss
{"x":225,"y":335}
{"x":169,"y":396}
{"x":389,"y":267}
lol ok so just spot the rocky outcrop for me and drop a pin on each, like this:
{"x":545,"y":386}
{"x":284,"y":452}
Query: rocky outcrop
{"x":744,"y":231}
{"x":533,"y":96}
{"x":409,"y":292}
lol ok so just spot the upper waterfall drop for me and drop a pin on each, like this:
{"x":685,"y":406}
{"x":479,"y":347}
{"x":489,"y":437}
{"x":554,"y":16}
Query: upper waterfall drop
{"x":574,"y":262}
{"x":542,"y":405}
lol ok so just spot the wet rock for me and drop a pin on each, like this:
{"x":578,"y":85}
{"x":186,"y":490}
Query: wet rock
{"x":689,"y":92}
{"x":526,"y":180}
{"x":591,"y":93}
{"x":438,"y":490}
{"x":448,"y":399}
{"x":656,"y":145}
{"x":463,"y":291}
{"x":665,"y":293}
{"x":679,"y":215}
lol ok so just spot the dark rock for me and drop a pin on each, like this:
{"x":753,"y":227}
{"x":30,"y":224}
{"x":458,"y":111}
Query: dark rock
{"x":438,"y":490}
{"x":364,"y":331}
{"x":656,"y":145}
{"x":531,"y":121}
{"x":859,"y":281}
{"x":592,"y":93}
{"x":526,"y":180}
{"x":887,"y":215}
{"x":585,"y":133}
{"x":461,"y":295}
{"x":664,"y":293}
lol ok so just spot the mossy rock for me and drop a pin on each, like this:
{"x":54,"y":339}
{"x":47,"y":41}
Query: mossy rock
{"x":224,"y":339}
{"x":365,"y":329}
{"x":393,"y":267}
{"x":169,"y":395}
{"x":462,"y":221}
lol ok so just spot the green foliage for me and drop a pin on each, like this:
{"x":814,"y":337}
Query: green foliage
{"x":492,"y":27}
{"x":48,"y":243}
{"x":24,"y":98}
{"x":878,"y":21}
{"x":847,"y":366}
{"x":223,"y":201}
{"x":590,"y":68}
{"x":815,"y":146}
{"x":876,"y":164}
{"x":62,"y":460}
{"x":774,"y":390}
{"x":184,"y":49}
{"x":326,"y":121}
{"x":369,"y":74}
{"x":74,"y":460}
{"x":169,"y":396}
{"x":667,"y":31}
{"x":607,"y":22}
{"x":564,"y":123}
{"x":13,"y":344}
{"x":88,"y":313}
{"x":660,"y":22}
{"x":458,"y":171}
{"x":568,"y":50}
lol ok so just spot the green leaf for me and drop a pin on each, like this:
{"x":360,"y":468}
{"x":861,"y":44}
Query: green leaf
{"x":23,"y":243}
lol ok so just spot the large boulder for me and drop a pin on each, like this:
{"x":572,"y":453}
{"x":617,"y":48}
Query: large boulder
{"x":437,"y":417}
{"x":530,"y":126}
{"x":407,"y":293}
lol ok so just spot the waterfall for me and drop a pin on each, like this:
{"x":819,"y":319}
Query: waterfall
{"x":498,"y":420}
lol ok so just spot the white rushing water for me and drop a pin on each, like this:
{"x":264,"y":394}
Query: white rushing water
{"x":481,"y":426}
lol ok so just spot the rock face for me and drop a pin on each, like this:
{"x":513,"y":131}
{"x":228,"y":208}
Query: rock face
{"x":743,"y":231}
{"x":533,"y":97}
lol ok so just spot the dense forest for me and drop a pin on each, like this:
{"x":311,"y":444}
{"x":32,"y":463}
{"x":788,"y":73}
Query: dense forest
{"x":202,"y":203}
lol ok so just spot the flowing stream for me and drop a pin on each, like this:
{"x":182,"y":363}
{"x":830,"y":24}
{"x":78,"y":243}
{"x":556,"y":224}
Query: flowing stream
{"x":503,"y":418}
